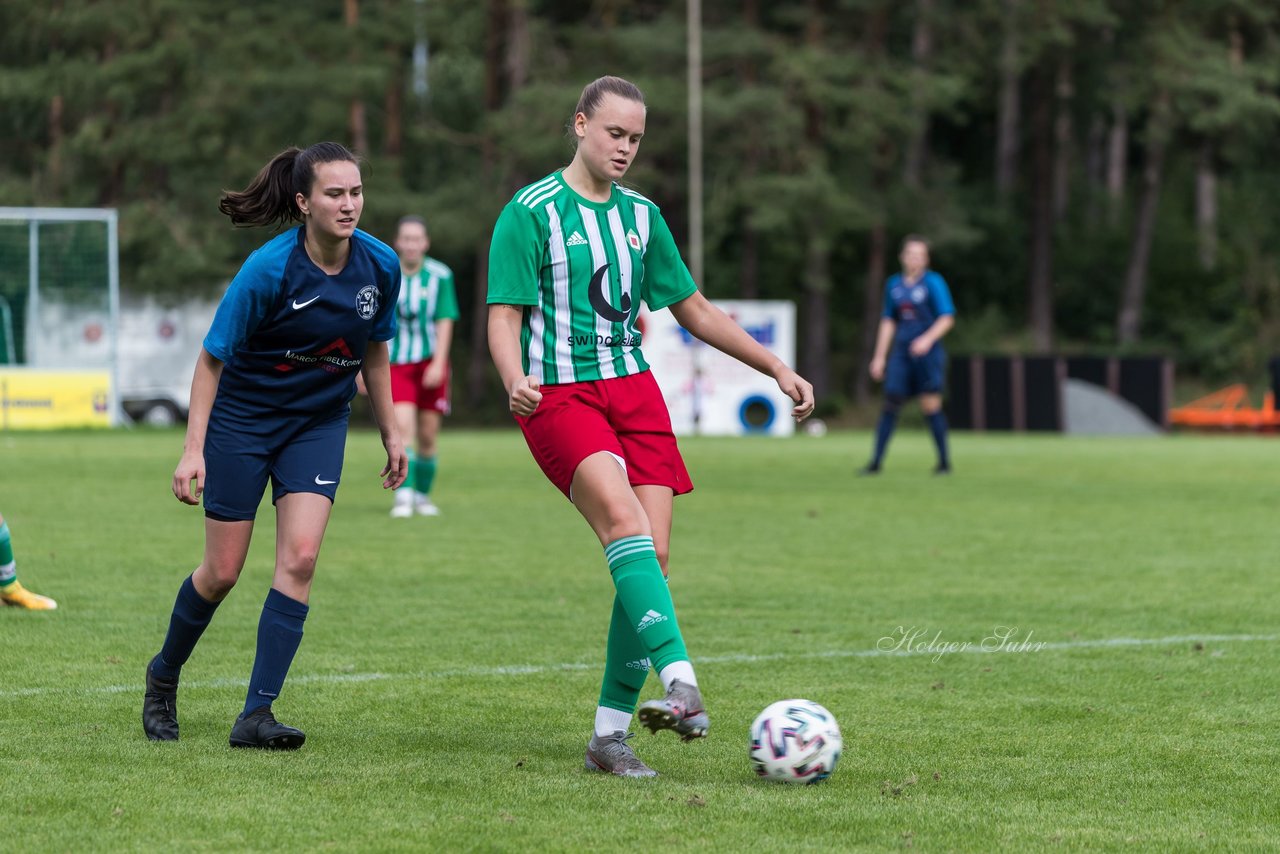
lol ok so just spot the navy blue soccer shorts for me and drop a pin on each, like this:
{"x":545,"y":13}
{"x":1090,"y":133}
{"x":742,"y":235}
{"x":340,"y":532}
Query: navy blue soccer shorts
{"x":299,"y":454}
{"x":908,"y":376}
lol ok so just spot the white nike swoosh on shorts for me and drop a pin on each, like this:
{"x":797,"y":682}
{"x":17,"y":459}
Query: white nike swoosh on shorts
{"x":298,"y":305}
{"x":320,"y":482}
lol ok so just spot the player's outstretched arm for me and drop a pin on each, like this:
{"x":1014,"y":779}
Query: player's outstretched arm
{"x":708,"y":323}
{"x":204,"y":388}
{"x":376,"y":371}
{"x":504,"y":347}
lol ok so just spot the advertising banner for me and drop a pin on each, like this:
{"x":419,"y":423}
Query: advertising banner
{"x":42,"y":400}
{"x":711,"y":394}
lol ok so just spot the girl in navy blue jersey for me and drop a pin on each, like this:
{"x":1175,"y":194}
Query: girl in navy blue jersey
{"x":909,"y":357}
{"x":309,"y":310}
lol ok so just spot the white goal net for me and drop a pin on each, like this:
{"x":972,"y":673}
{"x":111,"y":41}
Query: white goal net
{"x":59,"y":317}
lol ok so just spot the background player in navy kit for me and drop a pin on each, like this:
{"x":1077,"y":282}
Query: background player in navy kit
{"x":917,"y":313}
{"x":269,"y":400}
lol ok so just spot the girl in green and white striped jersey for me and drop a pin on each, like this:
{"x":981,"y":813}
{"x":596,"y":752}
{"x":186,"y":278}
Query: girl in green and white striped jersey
{"x":573,"y":256}
{"x":427,"y":310}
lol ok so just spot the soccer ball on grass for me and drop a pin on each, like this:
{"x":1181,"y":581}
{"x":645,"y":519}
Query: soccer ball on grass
{"x":795,"y":741}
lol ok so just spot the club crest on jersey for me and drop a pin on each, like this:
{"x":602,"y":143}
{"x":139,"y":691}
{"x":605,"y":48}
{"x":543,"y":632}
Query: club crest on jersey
{"x":633,"y":239}
{"x":367,"y":302}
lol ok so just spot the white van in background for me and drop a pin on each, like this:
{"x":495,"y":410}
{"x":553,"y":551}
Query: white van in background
{"x":158,"y":346}
{"x":158,"y":350}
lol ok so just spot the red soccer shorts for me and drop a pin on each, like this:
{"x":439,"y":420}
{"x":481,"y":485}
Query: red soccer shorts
{"x":625,"y":416}
{"x":406,"y":387}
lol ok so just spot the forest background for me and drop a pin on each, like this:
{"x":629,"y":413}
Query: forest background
{"x":1095,"y":175}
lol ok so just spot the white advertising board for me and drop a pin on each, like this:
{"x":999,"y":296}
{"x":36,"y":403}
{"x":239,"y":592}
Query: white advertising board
{"x":711,"y":394}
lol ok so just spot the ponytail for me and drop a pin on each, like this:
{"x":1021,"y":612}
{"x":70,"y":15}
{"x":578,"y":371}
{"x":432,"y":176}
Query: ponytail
{"x":271,"y":197}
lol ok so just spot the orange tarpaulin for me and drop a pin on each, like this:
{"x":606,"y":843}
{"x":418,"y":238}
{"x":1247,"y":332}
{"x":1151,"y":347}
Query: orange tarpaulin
{"x":1228,"y":408}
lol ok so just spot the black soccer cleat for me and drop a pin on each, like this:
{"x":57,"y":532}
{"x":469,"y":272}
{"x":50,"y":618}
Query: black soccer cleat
{"x":869,"y":470}
{"x":160,"y":707}
{"x":261,"y":729}
{"x":941,"y":470}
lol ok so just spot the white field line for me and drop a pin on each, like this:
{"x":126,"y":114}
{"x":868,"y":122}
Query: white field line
{"x":921,"y":649}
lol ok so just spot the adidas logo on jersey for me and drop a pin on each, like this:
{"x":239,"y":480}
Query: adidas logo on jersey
{"x":576,"y":239}
{"x":652,"y":618}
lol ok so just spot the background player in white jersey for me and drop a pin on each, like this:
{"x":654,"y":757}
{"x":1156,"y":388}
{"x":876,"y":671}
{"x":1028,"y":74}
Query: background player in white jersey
{"x":573,"y":256}
{"x":427,"y":309}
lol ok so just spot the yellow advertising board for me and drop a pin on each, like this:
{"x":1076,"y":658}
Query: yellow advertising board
{"x":42,"y":400}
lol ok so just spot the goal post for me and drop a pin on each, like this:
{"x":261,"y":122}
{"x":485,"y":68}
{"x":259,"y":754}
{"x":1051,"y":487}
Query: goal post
{"x":60,"y":285}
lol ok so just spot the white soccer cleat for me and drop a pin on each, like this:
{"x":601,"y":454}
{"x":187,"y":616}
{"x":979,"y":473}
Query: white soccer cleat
{"x":403,"y":507}
{"x":424,"y":506}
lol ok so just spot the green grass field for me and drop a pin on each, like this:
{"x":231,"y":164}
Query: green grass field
{"x":450,"y":667}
